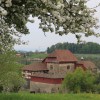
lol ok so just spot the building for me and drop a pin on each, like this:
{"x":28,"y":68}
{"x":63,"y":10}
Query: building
{"x":47,"y":75}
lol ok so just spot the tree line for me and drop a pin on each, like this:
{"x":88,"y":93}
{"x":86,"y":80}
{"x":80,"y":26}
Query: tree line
{"x":82,"y":48}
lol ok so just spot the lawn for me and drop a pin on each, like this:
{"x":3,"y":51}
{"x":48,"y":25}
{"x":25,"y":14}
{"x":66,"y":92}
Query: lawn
{"x":27,"y":96}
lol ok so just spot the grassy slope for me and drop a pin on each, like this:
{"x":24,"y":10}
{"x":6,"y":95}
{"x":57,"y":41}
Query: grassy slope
{"x":88,"y":55}
{"x":40,"y":55}
{"x":49,"y":97}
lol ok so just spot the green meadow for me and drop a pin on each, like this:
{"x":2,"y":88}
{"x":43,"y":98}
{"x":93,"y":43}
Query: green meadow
{"x":94,"y":56}
{"x":27,"y":96}
{"x":42,"y":55}
{"x":38,"y":55}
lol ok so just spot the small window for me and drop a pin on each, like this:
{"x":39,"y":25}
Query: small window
{"x":68,"y":67}
{"x":45,"y":71}
{"x":51,"y":67}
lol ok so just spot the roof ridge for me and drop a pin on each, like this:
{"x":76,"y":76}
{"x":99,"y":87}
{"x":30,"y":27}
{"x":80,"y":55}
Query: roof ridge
{"x":63,"y":55}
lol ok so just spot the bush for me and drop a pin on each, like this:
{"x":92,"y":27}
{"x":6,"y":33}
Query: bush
{"x":79,"y":81}
{"x":1,"y":88}
{"x":12,"y":82}
{"x":97,"y":88}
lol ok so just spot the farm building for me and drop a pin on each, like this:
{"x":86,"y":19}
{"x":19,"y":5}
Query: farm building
{"x":47,"y":75}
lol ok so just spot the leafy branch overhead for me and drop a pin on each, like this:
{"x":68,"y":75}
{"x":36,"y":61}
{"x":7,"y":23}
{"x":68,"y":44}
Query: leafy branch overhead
{"x":61,"y":16}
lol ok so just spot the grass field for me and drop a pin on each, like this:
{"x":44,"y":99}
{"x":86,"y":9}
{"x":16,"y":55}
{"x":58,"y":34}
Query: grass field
{"x":49,"y":96}
{"x":95,"y":56}
{"x":41,"y":55}
{"x":38,"y":55}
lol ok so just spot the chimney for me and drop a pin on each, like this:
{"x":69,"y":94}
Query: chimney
{"x":82,"y":58}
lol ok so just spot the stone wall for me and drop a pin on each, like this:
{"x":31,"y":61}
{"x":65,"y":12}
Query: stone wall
{"x":68,"y":67}
{"x":38,"y":87}
{"x":60,"y":68}
{"x":53,"y":67}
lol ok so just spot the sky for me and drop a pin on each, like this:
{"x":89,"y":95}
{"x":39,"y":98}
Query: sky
{"x":36,"y":40}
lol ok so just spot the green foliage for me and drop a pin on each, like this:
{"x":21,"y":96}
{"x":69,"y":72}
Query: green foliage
{"x":7,"y":40}
{"x":79,"y":81}
{"x":10,"y":72}
{"x":97,"y":83}
{"x":8,"y":62}
{"x":38,"y":55}
{"x":12,"y":82}
{"x":97,"y":79}
{"x":97,"y":88}
{"x":26,"y":96}
{"x":83,"y":48}
{"x":1,"y":88}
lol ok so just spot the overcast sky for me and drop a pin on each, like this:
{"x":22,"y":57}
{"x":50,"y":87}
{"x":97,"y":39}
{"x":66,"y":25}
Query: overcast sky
{"x":38,"y":41}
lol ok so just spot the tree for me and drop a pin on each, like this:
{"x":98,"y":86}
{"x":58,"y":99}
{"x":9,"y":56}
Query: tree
{"x":67,"y":16}
{"x":10,"y":72}
{"x":8,"y":36}
{"x":82,"y":48}
{"x":79,"y":81}
{"x":12,"y":82}
{"x":8,"y":62}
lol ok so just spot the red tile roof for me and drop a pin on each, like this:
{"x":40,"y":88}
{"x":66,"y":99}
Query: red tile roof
{"x":87,"y":64}
{"x":35,"y":67}
{"x":63,"y":56}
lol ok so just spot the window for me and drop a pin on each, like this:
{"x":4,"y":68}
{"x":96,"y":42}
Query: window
{"x":51,"y":67}
{"x":68,"y":67}
{"x":45,"y":71}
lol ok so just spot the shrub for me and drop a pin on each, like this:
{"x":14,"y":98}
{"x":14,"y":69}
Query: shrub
{"x":1,"y":88}
{"x":12,"y":82}
{"x":79,"y":81}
